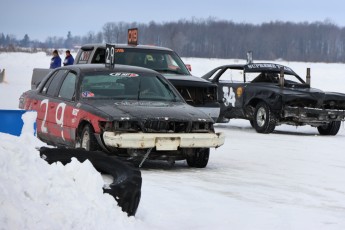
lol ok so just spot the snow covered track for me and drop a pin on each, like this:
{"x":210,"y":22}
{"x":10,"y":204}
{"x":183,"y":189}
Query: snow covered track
{"x":291,"y":179}
{"x":126,"y":186}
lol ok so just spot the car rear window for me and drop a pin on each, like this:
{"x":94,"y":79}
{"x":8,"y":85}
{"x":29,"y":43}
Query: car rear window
{"x":167,"y":62}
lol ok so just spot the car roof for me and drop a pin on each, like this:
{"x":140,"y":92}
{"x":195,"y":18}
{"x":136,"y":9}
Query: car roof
{"x":102,"y":45}
{"x":257,"y":67}
{"x":102,"y":67}
{"x":269,"y":67}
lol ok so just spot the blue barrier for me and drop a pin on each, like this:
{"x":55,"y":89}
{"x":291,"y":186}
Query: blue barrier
{"x":11,"y":122}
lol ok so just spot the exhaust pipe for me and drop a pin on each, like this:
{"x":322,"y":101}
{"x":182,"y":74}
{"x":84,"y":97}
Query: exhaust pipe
{"x":281,"y":79}
{"x":308,"y":76}
{"x":249,"y":57}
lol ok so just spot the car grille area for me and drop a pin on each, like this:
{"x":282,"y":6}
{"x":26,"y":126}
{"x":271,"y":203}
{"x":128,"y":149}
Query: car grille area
{"x":165,"y":126}
{"x":162,"y":126}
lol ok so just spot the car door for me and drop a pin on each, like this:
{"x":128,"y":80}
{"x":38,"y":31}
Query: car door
{"x":231,"y":86}
{"x":45,"y":104}
{"x":66,"y":112}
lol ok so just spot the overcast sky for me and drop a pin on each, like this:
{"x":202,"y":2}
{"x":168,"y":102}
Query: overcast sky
{"x":43,"y":18}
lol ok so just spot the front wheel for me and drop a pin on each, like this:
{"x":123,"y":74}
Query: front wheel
{"x":88,"y":140}
{"x":330,"y":129}
{"x":264,"y":120}
{"x":198,"y":158}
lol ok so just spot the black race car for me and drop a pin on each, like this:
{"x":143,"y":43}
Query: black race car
{"x":125,"y":110}
{"x":269,"y":94}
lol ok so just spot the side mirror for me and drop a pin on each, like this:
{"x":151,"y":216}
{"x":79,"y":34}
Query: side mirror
{"x":189,"y":67}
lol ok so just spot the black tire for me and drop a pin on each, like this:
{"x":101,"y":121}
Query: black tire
{"x":126,"y":185}
{"x":88,"y":140}
{"x":330,"y":129}
{"x":264,"y":120}
{"x":198,"y":158}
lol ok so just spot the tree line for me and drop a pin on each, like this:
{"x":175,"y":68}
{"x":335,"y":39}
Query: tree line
{"x":211,"y":38}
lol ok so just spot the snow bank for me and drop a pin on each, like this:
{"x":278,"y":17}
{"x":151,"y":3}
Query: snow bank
{"x":36,"y":195}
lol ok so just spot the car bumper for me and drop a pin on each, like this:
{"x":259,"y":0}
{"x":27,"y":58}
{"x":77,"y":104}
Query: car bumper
{"x":163,"y":141}
{"x":314,"y":115}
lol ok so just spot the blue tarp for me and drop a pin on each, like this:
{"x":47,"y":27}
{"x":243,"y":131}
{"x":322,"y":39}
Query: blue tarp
{"x":11,"y":121}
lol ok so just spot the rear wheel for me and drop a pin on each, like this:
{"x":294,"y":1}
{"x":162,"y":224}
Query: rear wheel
{"x":88,"y":140}
{"x":330,"y":129}
{"x":264,"y":119}
{"x":198,"y":158}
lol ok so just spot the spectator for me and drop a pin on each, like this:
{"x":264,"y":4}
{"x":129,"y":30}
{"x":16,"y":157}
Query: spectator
{"x":68,"y":59}
{"x":55,"y":61}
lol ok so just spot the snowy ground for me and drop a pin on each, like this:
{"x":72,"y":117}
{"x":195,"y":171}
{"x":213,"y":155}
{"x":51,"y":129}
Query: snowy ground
{"x":290,"y":179}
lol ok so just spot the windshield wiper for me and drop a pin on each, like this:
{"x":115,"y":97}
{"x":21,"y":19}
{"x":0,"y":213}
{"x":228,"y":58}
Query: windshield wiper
{"x":170,"y":71}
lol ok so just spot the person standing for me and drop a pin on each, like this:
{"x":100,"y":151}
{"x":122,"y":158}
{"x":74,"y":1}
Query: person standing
{"x":68,"y":59}
{"x":55,"y":61}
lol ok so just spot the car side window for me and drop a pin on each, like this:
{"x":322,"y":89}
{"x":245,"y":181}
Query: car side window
{"x":215,"y":74}
{"x":51,"y":86}
{"x":232,"y":75}
{"x":67,"y":89}
{"x":84,"y":56}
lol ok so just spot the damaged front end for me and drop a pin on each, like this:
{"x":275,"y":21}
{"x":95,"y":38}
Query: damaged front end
{"x":165,"y":138}
{"x":162,"y":134}
{"x":315,"y":109}
{"x":311,"y":116}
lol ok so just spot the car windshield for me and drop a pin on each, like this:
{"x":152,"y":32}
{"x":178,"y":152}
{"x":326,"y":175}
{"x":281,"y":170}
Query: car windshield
{"x":126,"y":86}
{"x":163,"y":61}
